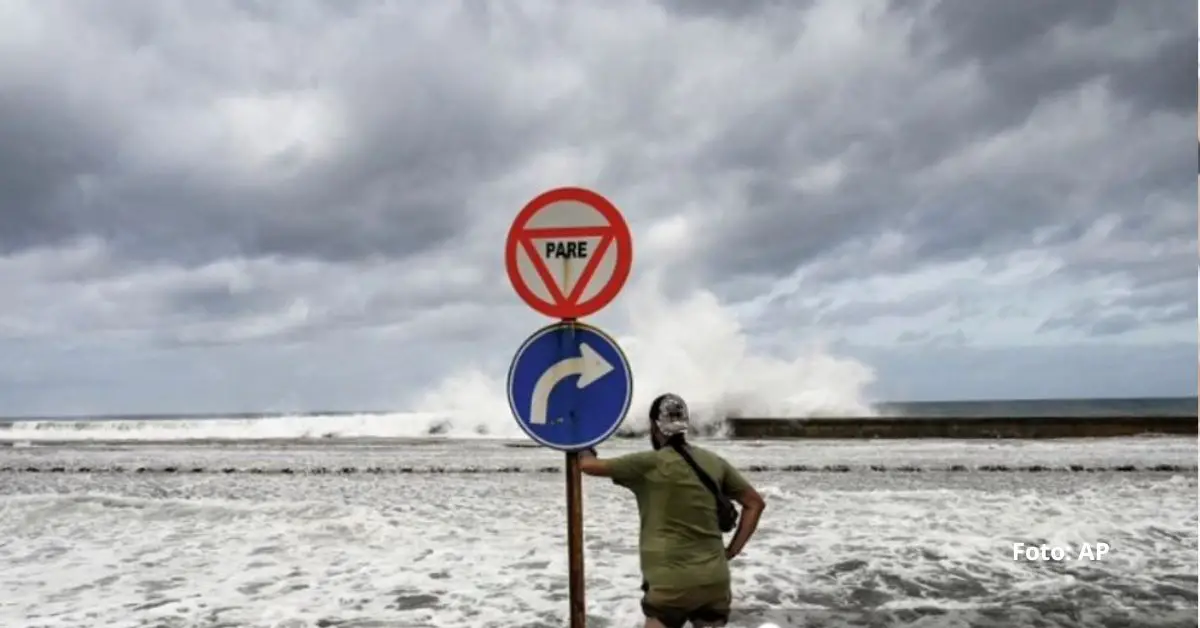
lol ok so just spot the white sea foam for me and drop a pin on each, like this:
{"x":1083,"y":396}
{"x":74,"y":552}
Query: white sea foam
{"x":489,"y":550}
{"x":693,"y":346}
{"x":696,"y":347}
{"x":396,"y":425}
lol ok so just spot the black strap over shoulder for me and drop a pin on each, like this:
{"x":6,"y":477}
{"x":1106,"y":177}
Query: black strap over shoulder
{"x":727,"y":514}
{"x":703,"y":475}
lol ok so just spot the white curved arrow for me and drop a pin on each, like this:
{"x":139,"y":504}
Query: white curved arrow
{"x":589,"y":366}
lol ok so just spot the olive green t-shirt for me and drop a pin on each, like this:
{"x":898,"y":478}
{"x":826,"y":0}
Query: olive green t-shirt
{"x":680,"y":544}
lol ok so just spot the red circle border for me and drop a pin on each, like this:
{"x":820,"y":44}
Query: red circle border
{"x":622,"y":238}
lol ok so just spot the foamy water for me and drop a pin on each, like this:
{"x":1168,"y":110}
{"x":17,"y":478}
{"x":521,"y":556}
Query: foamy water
{"x":693,"y":346}
{"x":515,"y":456}
{"x":482,"y":550}
{"x":395,"y":425}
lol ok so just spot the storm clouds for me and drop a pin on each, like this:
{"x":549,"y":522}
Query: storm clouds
{"x":301,"y":205}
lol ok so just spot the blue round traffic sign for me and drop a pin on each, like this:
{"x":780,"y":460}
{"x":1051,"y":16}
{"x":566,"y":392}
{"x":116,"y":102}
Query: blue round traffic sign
{"x":569,"y":386}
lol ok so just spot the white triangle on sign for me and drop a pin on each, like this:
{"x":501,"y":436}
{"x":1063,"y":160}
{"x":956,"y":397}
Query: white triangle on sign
{"x":566,"y":258}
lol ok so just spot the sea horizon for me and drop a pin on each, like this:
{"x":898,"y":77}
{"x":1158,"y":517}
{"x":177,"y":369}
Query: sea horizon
{"x":1025,"y":407}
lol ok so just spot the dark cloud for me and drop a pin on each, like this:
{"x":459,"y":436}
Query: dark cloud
{"x":1027,"y":145}
{"x":410,"y":149}
{"x":49,"y":156}
{"x":994,"y":30}
{"x":220,"y":174}
{"x":1028,"y":50}
{"x":414,"y":146}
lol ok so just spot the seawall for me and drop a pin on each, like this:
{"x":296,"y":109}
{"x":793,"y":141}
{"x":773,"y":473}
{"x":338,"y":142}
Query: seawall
{"x":963,"y":427}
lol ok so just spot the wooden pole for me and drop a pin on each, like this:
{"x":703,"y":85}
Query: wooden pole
{"x":575,"y":581}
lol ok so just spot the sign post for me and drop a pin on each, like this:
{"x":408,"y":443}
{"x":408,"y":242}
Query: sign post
{"x":568,"y":254}
{"x":575,"y":579}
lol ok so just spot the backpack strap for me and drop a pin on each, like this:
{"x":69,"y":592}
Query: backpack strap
{"x":704,"y":477}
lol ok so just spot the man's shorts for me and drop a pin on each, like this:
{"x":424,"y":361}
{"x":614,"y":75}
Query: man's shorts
{"x":705,"y":606}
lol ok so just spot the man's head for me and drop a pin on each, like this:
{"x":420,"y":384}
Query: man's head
{"x":669,"y":420}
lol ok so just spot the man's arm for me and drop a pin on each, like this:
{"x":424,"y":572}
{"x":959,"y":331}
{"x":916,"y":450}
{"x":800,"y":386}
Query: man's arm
{"x":591,"y":464}
{"x":624,"y":470}
{"x":752,"y":504}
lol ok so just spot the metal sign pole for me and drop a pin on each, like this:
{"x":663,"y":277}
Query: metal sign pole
{"x":575,"y":580}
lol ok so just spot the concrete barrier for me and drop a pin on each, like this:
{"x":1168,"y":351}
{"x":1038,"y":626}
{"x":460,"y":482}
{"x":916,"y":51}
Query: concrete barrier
{"x":963,"y":427}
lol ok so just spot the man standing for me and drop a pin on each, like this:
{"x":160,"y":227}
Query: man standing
{"x":684,"y":560}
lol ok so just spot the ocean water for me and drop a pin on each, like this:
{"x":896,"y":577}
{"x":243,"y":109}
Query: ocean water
{"x":454,"y":532}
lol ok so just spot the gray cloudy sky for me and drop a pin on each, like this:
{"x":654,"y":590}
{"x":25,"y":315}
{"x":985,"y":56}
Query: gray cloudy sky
{"x":249,"y":205}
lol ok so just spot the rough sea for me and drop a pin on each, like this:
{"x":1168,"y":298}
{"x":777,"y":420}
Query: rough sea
{"x":349,"y":520}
